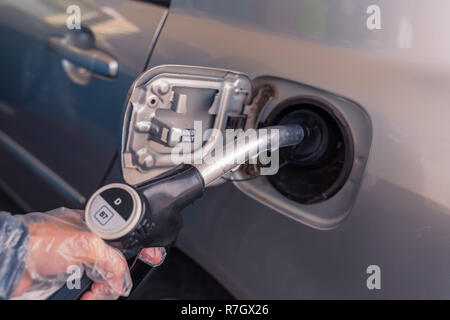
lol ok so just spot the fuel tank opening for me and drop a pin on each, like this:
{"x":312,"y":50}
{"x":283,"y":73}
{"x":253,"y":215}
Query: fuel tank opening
{"x":317,"y":168}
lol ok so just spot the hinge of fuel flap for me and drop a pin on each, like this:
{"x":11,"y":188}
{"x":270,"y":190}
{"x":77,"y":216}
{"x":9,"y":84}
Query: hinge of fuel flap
{"x":173,"y":108}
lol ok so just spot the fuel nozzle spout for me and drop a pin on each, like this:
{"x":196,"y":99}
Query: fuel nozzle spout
{"x":244,"y":148}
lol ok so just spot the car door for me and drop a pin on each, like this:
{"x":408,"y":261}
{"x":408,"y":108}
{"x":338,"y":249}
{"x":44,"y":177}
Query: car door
{"x":63,"y":85}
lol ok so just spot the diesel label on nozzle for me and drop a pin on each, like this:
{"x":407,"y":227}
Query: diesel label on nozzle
{"x":120,"y":200}
{"x":113,"y":211}
{"x":104,"y":216}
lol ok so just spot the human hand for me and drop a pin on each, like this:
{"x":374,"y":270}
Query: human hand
{"x":59,"y":239}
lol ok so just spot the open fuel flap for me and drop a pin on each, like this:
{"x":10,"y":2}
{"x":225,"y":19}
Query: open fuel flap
{"x":171,"y":106}
{"x":315,"y":183}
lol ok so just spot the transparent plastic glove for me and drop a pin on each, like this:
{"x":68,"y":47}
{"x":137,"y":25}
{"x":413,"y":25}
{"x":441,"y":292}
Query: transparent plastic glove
{"x":60,"y":240}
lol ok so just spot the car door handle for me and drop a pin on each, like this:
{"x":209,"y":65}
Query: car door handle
{"x":91,"y":59}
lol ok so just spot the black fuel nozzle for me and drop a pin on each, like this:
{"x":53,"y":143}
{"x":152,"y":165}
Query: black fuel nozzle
{"x":149,"y":214}
{"x":145,"y":216}
{"x":164,"y":199}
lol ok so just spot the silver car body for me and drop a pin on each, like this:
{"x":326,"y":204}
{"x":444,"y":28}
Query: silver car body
{"x":398,"y":74}
{"x":400,"y":220}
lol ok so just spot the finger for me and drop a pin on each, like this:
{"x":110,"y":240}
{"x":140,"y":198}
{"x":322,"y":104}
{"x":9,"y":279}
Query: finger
{"x":65,"y":218}
{"x":88,"y":296}
{"x":100,"y":291}
{"x":104,"y":264}
{"x":152,"y":256}
{"x":24,"y":284}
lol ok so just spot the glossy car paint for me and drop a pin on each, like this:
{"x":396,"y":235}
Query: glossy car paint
{"x":399,"y":74}
{"x":400,"y":220}
{"x":57,"y":137}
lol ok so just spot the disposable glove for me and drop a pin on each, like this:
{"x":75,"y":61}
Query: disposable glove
{"x":60,"y":241}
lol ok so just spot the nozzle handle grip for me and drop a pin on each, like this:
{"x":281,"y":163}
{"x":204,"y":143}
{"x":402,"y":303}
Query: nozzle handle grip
{"x":164,"y":199}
